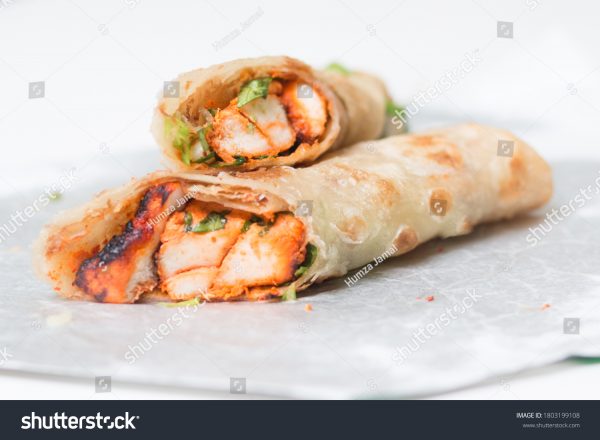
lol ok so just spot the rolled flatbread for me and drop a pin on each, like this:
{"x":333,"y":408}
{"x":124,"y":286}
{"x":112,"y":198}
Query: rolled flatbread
{"x":261,"y":112}
{"x":268,"y":233}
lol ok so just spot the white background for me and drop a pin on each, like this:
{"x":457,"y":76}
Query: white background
{"x":103,"y":63}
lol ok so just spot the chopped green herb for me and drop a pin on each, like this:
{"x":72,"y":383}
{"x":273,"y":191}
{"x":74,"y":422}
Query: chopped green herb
{"x":311,"y":256}
{"x":239,"y":160}
{"x":253,"y":219}
{"x":187,"y":221}
{"x":246,"y":226}
{"x":257,"y":88}
{"x":213,"y":111}
{"x":259,"y":221}
{"x":289,"y":294}
{"x":264,"y":156}
{"x":266,"y":229}
{"x":206,"y":158}
{"x":189,"y":302}
{"x":250,"y":128}
{"x":212,"y":222}
{"x":337,"y":67}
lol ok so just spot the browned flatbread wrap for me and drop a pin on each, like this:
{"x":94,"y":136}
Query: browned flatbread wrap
{"x":261,"y":112}
{"x":267,"y":233}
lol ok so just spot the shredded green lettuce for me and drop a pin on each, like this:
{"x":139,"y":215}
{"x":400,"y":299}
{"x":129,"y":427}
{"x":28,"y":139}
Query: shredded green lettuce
{"x":181,"y":136}
{"x":392,"y":109}
{"x":189,"y":302}
{"x":289,"y":294}
{"x":202,"y":138}
{"x":185,"y":154}
{"x":257,"y":88}
{"x":337,"y":67}
{"x":207,"y":152}
{"x":311,"y":256}
{"x":55,"y":196}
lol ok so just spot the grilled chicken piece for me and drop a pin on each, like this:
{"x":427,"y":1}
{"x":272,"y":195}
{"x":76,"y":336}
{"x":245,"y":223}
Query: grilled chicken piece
{"x":190,"y":284}
{"x":268,"y":126}
{"x":269,"y":116}
{"x":306,"y":110}
{"x":233,"y":134}
{"x":124,"y":268}
{"x":263,"y":293}
{"x":264,"y":255}
{"x":181,"y":251}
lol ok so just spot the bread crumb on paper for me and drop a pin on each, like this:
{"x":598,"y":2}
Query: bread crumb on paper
{"x":430,"y":298}
{"x":546,"y":306}
{"x":308,"y":308}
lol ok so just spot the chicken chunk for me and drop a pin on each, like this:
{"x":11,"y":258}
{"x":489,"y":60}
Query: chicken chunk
{"x":190,"y":284}
{"x":269,"y":116}
{"x":306,"y":109}
{"x":124,"y":268}
{"x":264,"y":255}
{"x":233,"y":135}
{"x":269,"y":125}
{"x":183,"y":250}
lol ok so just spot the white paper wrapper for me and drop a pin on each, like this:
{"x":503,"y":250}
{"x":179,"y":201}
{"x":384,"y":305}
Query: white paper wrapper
{"x":351,"y":344}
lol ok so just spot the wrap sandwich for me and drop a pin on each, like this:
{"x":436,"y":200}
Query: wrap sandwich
{"x":268,"y":233}
{"x":261,"y":112}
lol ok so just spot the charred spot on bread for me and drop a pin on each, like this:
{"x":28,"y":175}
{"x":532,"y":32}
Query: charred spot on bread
{"x":114,"y":274}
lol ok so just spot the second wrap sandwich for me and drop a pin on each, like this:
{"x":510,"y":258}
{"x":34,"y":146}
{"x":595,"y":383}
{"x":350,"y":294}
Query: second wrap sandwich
{"x":262,"y":112}
{"x":260,"y":234}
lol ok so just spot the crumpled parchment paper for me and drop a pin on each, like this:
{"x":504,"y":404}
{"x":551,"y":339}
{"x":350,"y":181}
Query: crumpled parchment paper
{"x":450,"y":314}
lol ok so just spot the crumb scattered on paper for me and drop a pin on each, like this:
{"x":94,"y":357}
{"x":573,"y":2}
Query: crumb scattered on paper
{"x":308,"y":308}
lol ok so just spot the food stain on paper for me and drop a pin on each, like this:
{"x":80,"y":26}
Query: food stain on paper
{"x":59,"y":319}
